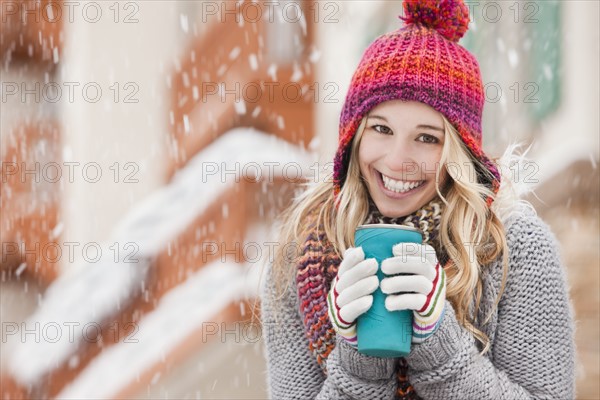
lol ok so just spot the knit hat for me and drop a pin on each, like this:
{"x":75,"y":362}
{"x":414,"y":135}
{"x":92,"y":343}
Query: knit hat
{"x":421,"y":61}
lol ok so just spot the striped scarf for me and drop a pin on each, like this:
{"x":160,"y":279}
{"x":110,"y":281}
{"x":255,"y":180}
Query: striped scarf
{"x":317,"y":267}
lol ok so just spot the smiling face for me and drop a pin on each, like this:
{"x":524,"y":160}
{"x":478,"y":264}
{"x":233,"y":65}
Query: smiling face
{"x":398,"y":155}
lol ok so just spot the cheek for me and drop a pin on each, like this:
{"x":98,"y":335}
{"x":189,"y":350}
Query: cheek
{"x":431,"y":162}
{"x":370,"y":150}
{"x":365,"y":156}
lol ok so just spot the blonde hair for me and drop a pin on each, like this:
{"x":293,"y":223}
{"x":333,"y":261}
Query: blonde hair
{"x":470,"y":232}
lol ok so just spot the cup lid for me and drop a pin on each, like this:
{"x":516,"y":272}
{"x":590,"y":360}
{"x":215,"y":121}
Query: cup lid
{"x":390,"y":226}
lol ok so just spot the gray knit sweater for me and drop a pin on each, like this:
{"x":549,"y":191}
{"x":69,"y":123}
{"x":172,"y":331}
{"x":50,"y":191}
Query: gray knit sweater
{"x":532,"y":339}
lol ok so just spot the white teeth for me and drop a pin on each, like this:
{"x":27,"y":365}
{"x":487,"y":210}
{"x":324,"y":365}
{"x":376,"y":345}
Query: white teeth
{"x":399,"y":186}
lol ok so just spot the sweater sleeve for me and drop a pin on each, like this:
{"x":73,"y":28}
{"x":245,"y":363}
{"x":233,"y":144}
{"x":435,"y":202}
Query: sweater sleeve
{"x":293,"y":372}
{"x":532,"y":355}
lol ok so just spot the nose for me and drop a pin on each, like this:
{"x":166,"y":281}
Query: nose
{"x":400,"y":160}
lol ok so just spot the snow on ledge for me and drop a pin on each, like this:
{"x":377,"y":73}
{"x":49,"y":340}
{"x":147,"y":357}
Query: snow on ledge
{"x":206,"y":177}
{"x":89,"y":294}
{"x":73,"y":308}
{"x":182,"y":311}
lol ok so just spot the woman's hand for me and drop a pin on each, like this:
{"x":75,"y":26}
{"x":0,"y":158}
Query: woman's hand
{"x":351,"y":292}
{"x":422,"y":288}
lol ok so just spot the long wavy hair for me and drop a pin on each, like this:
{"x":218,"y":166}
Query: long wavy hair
{"x":470,"y":232}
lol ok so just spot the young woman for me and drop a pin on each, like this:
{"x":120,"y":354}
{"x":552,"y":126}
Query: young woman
{"x":492,"y":317}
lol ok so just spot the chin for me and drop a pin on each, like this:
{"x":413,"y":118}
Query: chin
{"x":393,"y":211}
{"x":401,"y":208}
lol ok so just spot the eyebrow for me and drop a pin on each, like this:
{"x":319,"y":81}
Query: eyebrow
{"x":421,"y":126}
{"x":433,"y":128}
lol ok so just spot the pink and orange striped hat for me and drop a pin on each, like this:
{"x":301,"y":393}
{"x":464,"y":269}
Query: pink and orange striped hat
{"x":422,"y":61}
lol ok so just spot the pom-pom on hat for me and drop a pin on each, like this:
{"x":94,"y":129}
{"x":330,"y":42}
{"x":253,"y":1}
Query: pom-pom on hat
{"x":421,"y":61}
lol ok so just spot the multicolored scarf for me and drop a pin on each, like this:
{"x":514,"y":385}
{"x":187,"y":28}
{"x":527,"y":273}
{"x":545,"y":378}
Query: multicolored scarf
{"x":318,"y":265}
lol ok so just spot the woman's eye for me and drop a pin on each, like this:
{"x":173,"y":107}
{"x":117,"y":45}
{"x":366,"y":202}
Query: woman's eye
{"x":382,"y":129}
{"x":428,"y":139}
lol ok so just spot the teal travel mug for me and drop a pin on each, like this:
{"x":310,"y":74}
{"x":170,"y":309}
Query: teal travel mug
{"x":383,"y":333}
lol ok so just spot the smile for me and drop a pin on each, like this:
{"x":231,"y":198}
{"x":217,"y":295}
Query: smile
{"x":400,"y":186}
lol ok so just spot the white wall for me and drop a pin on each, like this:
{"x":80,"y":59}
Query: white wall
{"x":108,"y":132}
{"x":572,"y":133}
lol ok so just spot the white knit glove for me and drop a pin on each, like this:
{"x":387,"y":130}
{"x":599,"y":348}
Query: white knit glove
{"x":422,"y":290}
{"x":351,"y":292}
